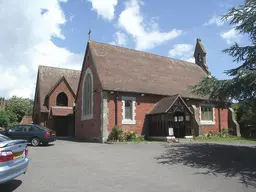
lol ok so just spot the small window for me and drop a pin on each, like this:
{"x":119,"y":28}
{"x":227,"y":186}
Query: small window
{"x":199,"y":57}
{"x":206,"y":113}
{"x":181,"y":118}
{"x":62,"y":99}
{"x":128,"y":110}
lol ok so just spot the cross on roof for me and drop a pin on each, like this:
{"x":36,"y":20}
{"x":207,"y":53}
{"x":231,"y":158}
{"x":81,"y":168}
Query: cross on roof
{"x":89,"y":35}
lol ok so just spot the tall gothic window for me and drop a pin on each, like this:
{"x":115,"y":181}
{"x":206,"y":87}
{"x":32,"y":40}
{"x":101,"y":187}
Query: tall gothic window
{"x":62,"y":99}
{"x":88,"y":95}
{"x":128,"y":108}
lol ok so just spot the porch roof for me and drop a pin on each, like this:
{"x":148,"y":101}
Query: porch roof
{"x":61,"y":111}
{"x":165,"y":104}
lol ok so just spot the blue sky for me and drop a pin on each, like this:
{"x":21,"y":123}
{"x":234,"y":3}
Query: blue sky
{"x":186,"y":15}
{"x":54,"y":33}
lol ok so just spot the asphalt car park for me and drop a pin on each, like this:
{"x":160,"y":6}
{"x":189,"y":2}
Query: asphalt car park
{"x":68,"y":166}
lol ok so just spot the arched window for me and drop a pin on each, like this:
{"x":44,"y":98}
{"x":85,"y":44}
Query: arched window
{"x":199,"y":57}
{"x":62,"y":99}
{"x":87,"y":98}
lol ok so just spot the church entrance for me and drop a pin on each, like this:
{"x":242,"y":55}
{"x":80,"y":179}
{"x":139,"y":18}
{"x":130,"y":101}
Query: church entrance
{"x":170,"y":117}
{"x":61,"y":126}
{"x":179,"y":125}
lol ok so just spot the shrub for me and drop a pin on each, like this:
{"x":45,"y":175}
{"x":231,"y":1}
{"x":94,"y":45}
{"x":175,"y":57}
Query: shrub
{"x":130,"y":136}
{"x":117,"y":134}
{"x":139,"y":138}
{"x":223,"y":134}
{"x":121,"y":135}
{"x":4,"y":118}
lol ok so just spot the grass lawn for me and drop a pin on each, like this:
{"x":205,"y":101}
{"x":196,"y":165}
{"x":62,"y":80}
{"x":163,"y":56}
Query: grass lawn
{"x":228,"y":139}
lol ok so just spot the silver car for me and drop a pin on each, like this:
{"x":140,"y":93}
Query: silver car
{"x":13,"y":158}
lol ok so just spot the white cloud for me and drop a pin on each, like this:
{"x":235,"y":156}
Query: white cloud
{"x":26,"y":43}
{"x":215,"y":20}
{"x":183,"y":52}
{"x":191,"y":60}
{"x":147,"y":36}
{"x":104,"y":8}
{"x":120,"y":39}
{"x":231,"y":36}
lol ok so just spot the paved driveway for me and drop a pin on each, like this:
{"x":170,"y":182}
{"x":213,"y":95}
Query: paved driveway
{"x":79,"y":167}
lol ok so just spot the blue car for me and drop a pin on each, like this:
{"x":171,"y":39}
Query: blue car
{"x":13,"y":158}
{"x":32,"y":133}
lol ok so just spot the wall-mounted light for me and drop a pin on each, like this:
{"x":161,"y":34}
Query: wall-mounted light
{"x":111,"y":92}
{"x":142,"y":95}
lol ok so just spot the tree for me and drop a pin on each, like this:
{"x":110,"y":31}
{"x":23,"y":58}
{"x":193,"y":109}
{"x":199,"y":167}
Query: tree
{"x":242,"y":85}
{"x":17,"y":108}
{"x":4,"y":118}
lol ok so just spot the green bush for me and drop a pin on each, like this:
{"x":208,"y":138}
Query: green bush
{"x":223,"y":134}
{"x":121,"y":135}
{"x":4,"y":118}
{"x":139,"y":138}
{"x":117,"y":134}
{"x":130,"y":136}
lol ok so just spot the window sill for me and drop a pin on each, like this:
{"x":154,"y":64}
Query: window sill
{"x":128,"y":122}
{"x":87,"y":117}
{"x":207,"y":122}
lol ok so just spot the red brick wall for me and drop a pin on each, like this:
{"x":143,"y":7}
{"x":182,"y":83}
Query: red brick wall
{"x":223,"y":114}
{"x":143,"y":105}
{"x":44,"y":118}
{"x":92,"y":127}
{"x":62,"y":87}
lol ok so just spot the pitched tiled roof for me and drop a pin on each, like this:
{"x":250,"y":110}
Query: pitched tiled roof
{"x":165,"y":104}
{"x":49,"y":76}
{"x":128,"y":70}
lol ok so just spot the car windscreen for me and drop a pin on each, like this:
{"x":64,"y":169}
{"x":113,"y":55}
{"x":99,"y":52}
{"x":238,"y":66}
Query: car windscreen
{"x":4,"y":138}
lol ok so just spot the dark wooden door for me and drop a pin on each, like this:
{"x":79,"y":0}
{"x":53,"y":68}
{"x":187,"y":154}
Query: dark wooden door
{"x":61,"y":126}
{"x":179,"y":125}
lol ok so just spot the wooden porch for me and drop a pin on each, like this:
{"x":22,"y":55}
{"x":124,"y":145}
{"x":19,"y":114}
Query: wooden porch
{"x":171,"y":117}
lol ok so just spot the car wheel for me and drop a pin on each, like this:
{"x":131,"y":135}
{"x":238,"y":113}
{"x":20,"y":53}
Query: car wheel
{"x":35,"y":141}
